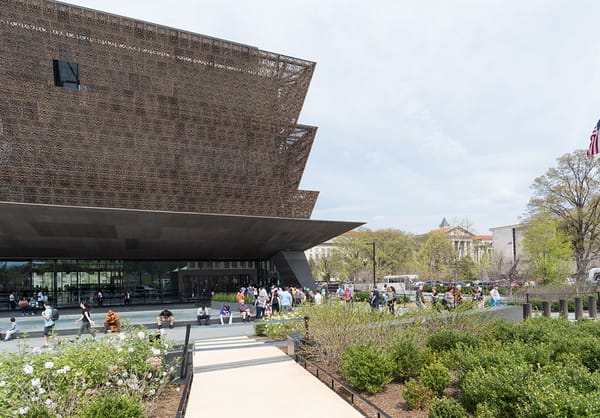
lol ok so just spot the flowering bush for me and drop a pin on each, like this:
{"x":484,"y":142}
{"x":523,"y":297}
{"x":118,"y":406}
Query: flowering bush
{"x":59,"y":382}
{"x":280,"y":330}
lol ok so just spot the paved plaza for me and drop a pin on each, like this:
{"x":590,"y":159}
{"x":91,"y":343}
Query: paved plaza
{"x":220,"y":366}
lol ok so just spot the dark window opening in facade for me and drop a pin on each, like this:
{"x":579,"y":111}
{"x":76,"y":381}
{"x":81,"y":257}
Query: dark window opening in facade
{"x":66,"y":74}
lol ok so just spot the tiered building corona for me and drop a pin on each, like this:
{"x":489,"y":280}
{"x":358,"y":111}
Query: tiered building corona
{"x":138,"y":156}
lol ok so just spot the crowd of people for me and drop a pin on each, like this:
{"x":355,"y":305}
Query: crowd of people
{"x":263,"y":301}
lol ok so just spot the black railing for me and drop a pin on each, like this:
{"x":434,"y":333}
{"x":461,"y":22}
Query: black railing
{"x":350,"y":395}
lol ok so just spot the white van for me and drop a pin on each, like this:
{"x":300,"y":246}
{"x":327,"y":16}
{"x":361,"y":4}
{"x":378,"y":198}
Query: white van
{"x":400,"y":282}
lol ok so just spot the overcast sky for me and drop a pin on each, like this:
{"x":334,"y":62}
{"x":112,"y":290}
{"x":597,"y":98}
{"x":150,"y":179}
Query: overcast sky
{"x":426,"y":108}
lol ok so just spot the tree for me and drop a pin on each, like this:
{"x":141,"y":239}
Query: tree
{"x":436,"y":256}
{"x":325,"y":268}
{"x":467,"y":270}
{"x":548,"y":250}
{"x":353,"y":255}
{"x":571,"y":193}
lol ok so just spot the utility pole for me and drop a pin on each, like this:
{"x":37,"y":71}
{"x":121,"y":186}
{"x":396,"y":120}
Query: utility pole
{"x":374,"y":266}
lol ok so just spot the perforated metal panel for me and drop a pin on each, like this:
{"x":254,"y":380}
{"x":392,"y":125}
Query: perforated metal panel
{"x":163,"y":120}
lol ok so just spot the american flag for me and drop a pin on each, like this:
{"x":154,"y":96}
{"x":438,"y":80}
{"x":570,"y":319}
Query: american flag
{"x":593,"y":147}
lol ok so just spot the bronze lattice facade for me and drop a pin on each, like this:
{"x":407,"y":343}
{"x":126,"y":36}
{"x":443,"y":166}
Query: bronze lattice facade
{"x":98,"y":110}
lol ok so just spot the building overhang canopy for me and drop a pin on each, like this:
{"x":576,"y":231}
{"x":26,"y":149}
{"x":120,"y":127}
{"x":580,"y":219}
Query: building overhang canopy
{"x":34,"y":231}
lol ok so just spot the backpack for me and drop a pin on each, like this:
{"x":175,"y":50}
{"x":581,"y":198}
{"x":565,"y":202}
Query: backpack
{"x":55,"y":315}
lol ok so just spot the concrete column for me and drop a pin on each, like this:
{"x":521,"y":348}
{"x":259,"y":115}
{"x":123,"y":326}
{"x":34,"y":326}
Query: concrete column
{"x":593,"y":307}
{"x":546,"y":309}
{"x":564,"y":310}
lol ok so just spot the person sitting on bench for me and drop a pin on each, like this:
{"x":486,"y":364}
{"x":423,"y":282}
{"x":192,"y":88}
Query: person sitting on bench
{"x":165,"y":316}
{"x":112,"y":322}
{"x":244,"y":312}
{"x":202,"y":315}
{"x":12,"y":330}
{"x":225,"y":312}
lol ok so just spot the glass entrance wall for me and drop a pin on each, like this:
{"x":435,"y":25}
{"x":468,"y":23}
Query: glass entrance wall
{"x":67,"y":282}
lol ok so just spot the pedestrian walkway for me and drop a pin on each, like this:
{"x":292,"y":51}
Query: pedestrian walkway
{"x":31,"y":327}
{"x":242,"y":373}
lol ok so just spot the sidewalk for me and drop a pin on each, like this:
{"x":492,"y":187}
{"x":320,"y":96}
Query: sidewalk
{"x":31,"y":327}
{"x":238,"y":371}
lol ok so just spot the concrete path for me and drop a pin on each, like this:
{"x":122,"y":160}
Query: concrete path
{"x":239,"y":374}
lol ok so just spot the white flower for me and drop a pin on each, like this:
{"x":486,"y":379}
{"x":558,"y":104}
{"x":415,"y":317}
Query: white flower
{"x":150,"y":375}
{"x":125,"y":374}
{"x":152,"y":392}
{"x":119,"y":350}
{"x":49,"y":365}
{"x":41,"y":391}
{"x":155,"y":351}
{"x":23,"y":411}
{"x":35,"y":398}
{"x":36,"y":350}
{"x":120,"y":382}
{"x":122,"y":336}
{"x":130,"y":349}
{"x":61,"y":371}
{"x":141,"y":335}
{"x":2,"y":383}
{"x":67,"y":368}
{"x":108,"y":384}
{"x":28,"y":369}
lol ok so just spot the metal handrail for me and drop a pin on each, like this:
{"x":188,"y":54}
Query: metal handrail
{"x":185,"y":395}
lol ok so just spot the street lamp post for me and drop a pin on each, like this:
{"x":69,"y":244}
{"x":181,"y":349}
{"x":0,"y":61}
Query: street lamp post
{"x":374,"y":276}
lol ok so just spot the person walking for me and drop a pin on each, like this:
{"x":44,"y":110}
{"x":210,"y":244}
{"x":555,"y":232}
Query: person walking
{"x":494,"y":296}
{"x":48,"y":322}
{"x":85,"y":321}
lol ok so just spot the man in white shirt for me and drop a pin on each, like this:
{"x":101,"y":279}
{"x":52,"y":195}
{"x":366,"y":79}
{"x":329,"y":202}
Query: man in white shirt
{"x":202,"y":315}
{"x":318,"y":298}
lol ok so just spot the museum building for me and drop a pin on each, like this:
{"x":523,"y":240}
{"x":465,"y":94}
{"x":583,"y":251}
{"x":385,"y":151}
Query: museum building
{"x":140,"y":157}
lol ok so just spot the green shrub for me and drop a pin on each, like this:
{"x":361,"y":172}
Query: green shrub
{"x":503,"y":387}
{"x":486,"y":411}
{"x":589,"y":351}
{"x":446,"y":340}
{"x":436,"y":377}
{"x":113,"y":405}
{"x":280,"y":330}
{"x":366,"y":367}
{"x":37,"y":411}
{"x":446,"y":408}
{"x":224,"y":297}
{"x":362,"y":296}
{"x":407,"y":359}
{"x":416,"y":395}
{"x":403,"y":299}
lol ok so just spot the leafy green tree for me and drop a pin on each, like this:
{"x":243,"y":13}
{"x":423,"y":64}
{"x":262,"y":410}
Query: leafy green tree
{"x":436,"y":256}
{"x":547,"y":248}
{"x":325,"y":268}
{"x":571,"y":192}
{"x":467,"y":270}
{"x":394,"y":253}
